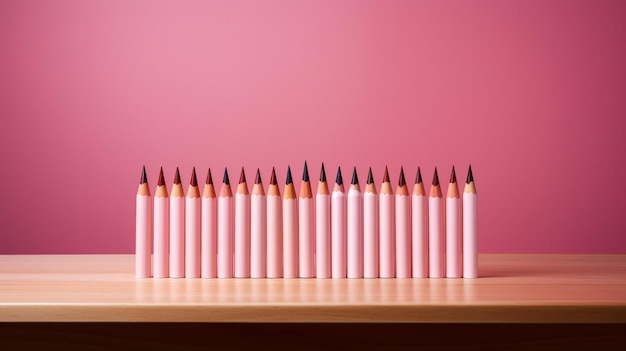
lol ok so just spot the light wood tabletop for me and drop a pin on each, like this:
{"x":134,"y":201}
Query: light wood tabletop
{"x":511,"y":289}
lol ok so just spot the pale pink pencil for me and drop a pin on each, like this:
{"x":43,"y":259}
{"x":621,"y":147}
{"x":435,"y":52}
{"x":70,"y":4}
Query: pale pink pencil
{"x":225,"y":230}
{"x":192,"y":228}
{"x":242,"y":228}
{"x":470,"y":228}
{"x":258,"y":229}
{"x":436,"y":231}
{"x":177,"y":229}
{"x":339,"y":266}
{"x":143,"y":229}
{"x":306,"y":227}
{"x":453,"y":230}
{"x":290,"y":229}
{"x":322,"y":228}
{"x":274,"y":230}
{"x":419,"y":223}
{"x":355,"y":228}
{"x":370,"y":228}
{"x":403,"y":229}
{"x":161,"y":229}
{"x":387,"y":232}
{"x":209,"y":229}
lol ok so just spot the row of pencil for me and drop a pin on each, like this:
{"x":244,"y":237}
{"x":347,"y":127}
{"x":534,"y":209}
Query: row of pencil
{"x":339,"y":235}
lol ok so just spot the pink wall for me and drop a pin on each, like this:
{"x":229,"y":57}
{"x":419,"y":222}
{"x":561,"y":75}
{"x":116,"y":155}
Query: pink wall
{"x":532,"y":93}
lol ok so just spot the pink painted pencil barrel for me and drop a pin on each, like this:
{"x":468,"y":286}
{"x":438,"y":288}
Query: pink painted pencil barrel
{"x":192,"y":229}
{"x":258,"y":229}
{"x":143,"y":229}
{"x":208,"y":243}
{"x":453,"y":230}
{"x":242,"y":228}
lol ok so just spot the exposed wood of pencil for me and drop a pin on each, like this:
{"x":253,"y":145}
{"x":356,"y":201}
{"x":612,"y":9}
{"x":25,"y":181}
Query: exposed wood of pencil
{"x":242,"y":187}
{"x":161,"y":190}
{"x":192,"y":190}
{"x":435,"y":188}
{"x":402,"y":189}
{"x":257,"y":189}
{"x":273,"y":189}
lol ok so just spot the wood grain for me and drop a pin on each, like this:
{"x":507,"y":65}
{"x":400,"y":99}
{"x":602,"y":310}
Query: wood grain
{"x":511,"y":289}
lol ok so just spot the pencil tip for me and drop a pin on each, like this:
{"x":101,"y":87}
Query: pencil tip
{"x":226,"y":180}
{"x":273,"y":177}
{"x":355,"y":178}
{"x":209,"y":177}
{"x":322,"y":174}
{"x":177,"y":177}
{"x":144,"y":177}
{"x":453,"y":176}
{"x":401,"y":180}
{"x":470,"y":176}
{"x":339,"y":179}
{"x":386,"y":176}
{"x":418,"y":176}
{"x":289,"y":180}
{"x":370,"y":177}
{"x":161,"y":178}
{"x":258,"y":177}
{"x":242,"y":176}
{"x":305,"y":173}
{"x":194,"y":179}
{"x":435,"y":178}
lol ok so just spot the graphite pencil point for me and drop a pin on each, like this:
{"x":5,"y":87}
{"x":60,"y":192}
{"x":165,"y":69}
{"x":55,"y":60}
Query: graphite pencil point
{"x":453,"y":176}
{"x":435,"y":178}
{"x":144,"y":177}
{"x":339,"y":179}
{"x":401,"y":180}
{"x":242,"y":176}
{"x":194,"y":180}
{"x":289,"y":180}
{"x":161,"y":178}
{"x":386,"y":176}
{"x":273,"y":177}
{"x":177,"y":177}
{"x":470,"y":176}
{"x":258,"y":177}
{"x":418,"y":176}
{"x":370,"y":177}
{"x":209,"y":177}
{"x":305,"y":173}
{"x":226,"y":180}
{"x":355,"y":178}
{"x":322,"y":174}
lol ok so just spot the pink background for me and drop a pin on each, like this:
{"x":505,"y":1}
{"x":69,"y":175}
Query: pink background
{"x":532,"y":93}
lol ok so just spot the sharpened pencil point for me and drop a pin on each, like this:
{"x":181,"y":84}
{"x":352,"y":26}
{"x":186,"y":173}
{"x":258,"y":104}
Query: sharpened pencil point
{"x":435,"y":178}
{"x":144,"y":177}
{"x":177,"y":177}
{"x":258,"y":177}
{"x":370,"y":177}
{"x":401,"y":180}
{"x":209,"y":177}
{"x":226,"y":180}
{"x":339,"y":179}
{"x":289,"y":180}
{"x":322,"y":174}
{"x":418,"y":176}
{"x":242,"y":176}
{"x":355,"y":178}
{"x":470,"y":176}
{"x":161,"y":178}
{"x":273,"y":177}
{"x":305,"y":173}
{"x":194,"y":180}
{"x":386,"y":176}
{"x":453,"y":176}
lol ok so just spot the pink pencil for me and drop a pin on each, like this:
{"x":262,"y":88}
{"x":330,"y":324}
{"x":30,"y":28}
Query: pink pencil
{"x":355,"y":228}
{"x":403,"y":229}
{"x":470,"y":228}
{"x":192,"y":229}
{"x":143,"y":229}
{"x":387,"y":231}
{"x":225,"y":230}
{"x":306,"y":227}
{"x":161,"y":230}
{"x":436,"y":236}
{"x":258,"y":230}
{"x":419,"y":210}
{"x":338,"y":229}
{"x":290,"y":229}
{"x":370,"y":229}
{"x":274,"y":230}
{"x":209,"y":229}
{"x":242,"y":228}
{"x":322,"y":228}
{"x":453,"y":230}
{"x":177,"y":229}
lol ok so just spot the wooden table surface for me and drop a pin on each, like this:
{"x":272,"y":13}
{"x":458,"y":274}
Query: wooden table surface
{"x":511,"y":289}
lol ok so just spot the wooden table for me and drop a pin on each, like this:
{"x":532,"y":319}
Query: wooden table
{"x":512,"y":289}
